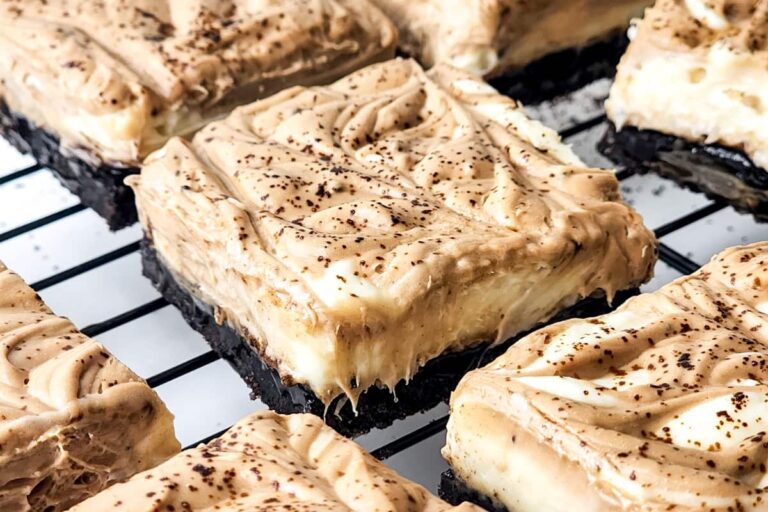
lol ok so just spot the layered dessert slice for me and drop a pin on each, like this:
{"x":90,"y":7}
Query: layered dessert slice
{"x":335,"y":242}
{"x":657,"y":406}
{"x":91,"y":88}
{"x":271,"y":462}
{"x":534,"y":50}
{"x":73,"y":419}
{"x":689,"y":101}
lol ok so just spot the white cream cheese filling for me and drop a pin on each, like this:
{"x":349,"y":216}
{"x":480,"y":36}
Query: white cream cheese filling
{"x":714,"y":93}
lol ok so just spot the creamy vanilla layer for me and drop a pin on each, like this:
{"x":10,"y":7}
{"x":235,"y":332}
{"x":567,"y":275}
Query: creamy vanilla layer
{"x":660,"y":405}
{"x":697,"y":69}
{"x":73,"y":419}
{"x":271,"y":462}
{"x":114,"y":80}
{"x":356,"y":231}
{"x":490,"y":37}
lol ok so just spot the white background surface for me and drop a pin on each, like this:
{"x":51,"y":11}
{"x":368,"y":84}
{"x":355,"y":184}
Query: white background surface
{"x":212,"y":398}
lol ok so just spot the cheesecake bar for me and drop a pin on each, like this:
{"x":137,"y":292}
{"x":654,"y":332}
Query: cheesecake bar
{"x":271,"y":462}
{"x":689,"y":100}
{"x":90,"y":88}
{"x":73,"y":419}
{"x":534,"y":50}
{"x":657,"y":406}
{"x":347,"y":236}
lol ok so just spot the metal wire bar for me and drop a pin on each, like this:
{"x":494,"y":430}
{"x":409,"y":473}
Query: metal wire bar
{"x":692,"y":217}
{"x":48,"y":219}
{"x":124,"y":318}
{"x":403,"y":443}
{"x":676,"y":260}
{"x":86,"y":266}
{"x":184,"y":368}
{"x":583,"y":126}
{"x":20,"y":174}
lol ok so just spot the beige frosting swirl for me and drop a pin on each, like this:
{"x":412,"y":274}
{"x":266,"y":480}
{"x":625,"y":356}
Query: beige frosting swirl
{"x":356,"y":231}
{"x":697,"y":25}
{"x":492,"y":36}
{"x":269,"y":462}
{"x":118,"y":78}
{"x":697,"y":69}
{"x":660,"y":405}
{"x":73,"y":419}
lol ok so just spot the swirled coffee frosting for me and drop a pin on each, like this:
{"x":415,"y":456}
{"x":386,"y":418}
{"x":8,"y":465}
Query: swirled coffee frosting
{"x":356,"y":231}
{"x":696,"y":69}
{"x":660,"y":405}
{"x":73,"y":419}
{"x":114,"y":80}
{"x":490,"y":37}
{"x":273,"y":463}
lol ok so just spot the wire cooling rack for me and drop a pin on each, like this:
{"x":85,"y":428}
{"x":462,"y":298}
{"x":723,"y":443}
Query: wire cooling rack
{"x":84,"y":271}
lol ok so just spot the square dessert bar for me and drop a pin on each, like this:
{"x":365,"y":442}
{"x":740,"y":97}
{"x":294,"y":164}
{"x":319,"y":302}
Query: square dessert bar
{"x":73,"y":419}
{"x":272,"y":462}
{"x":533,"y":50}
{"x":90,"y":88}
{"x":657,"y":406}
{"x":331,"y":242}
{"x":689,"y":101}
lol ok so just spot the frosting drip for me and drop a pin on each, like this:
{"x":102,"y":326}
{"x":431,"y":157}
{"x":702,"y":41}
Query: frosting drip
{"x":391,"y":216}
{"x":117,"y":79}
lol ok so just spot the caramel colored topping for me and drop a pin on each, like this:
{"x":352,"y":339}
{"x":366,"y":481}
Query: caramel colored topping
{"x":357,"y":231}
{"x":492,"y":36}
{"x":660,"y":405}
{"x":73,"y":419}
{"x":115,"y":80}
{"x":272,"y":462}
{"x":696,"y":25}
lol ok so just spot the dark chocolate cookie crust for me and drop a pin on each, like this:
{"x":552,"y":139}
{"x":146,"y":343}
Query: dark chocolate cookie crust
{"x":564,"y":71}
{"x":100,"y":188}
{"x":377,"y":407}
{"x":717,"y":171}
{"x":455,"y":491}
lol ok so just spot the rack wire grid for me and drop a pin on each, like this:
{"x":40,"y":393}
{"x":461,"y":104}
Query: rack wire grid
{"x":92,"y":275}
